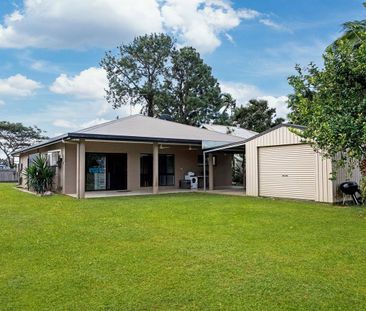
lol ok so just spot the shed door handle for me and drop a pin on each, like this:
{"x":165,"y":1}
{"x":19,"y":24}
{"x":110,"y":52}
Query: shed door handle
{"x":284,"y":175}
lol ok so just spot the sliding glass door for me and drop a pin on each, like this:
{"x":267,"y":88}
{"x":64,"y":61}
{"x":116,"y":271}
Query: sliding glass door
{"x":106,"y":171}
{"x":166,"y":170}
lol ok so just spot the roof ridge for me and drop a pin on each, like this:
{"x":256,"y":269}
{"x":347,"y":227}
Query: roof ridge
{"x":185,"y":125}
{"x":106,"y":123}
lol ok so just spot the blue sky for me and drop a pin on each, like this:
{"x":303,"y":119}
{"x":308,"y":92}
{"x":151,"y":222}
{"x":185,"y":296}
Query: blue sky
{"x":50,"y":49}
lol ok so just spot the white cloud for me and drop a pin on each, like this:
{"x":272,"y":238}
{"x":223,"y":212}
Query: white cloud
{"x":270,"y":23}
{"x":78,"y":24}
{"x":244,"y":92}
{"x":95,"y":23}
{"x":240,"y":91}
{"x":280,"y":103}
{"x":2,"y":102}
{"x":18,"y":85}
{"x":88,"y":84}
{"x":66,"y":124}
{"x":200,"y":23}
{"x":63,"y":123}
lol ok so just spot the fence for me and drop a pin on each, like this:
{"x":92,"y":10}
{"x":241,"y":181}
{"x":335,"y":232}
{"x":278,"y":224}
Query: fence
{"x":8,"y":175}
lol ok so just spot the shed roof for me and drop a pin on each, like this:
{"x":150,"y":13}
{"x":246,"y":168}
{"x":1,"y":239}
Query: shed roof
{"x":234,"y":145}
{"x":232,"y":130}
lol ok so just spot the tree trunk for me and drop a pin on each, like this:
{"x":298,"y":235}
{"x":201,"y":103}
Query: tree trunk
{"x":150,"y":107}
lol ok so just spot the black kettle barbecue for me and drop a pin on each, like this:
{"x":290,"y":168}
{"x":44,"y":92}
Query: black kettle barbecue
{"x":351,"y":188}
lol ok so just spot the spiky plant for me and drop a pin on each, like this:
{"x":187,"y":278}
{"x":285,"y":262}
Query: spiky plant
{"x":40,"y":175}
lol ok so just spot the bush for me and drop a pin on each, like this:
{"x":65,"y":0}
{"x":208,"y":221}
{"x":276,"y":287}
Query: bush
{"x":40,"y":175}
{"x":363,"y":188}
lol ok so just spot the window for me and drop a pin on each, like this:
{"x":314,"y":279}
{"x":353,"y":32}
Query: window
{"x":166,"y":170}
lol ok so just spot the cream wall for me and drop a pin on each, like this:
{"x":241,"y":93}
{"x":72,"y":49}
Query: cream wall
{"x":283,"y":136}
{"x":59,"y":176}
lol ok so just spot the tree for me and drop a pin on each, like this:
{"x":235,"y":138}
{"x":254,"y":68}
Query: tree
{"x":331,"y":102}
{"x":14,"y":136}
{"x":136,"y":74}
{"x":256,"y":116}
{"x":353,"y":32}
{"x":192,"y":95}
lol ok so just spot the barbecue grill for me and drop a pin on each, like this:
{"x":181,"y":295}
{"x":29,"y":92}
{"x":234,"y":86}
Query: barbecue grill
{"x":351,"y":188}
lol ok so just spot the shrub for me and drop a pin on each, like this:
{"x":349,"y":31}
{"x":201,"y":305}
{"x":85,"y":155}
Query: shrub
{"x":40,"y":175}
{"x":363,"y":188}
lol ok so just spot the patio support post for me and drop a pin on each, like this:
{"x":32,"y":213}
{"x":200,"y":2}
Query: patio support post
{"x":80,"y":161}
{"x":210,"y":172}
{"x":204,"y":171}
{"x":155,"y":168}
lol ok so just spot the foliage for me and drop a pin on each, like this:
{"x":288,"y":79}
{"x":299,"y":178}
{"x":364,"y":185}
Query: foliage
{"x":40,"y":175}
{"x":256,"y":116}
{"x":179,"y":252}
{"x":14,"y":136}
{"x":331,"y":102}
{"x":135,"y":75}
{"x":353,"y":33}
{"x":192,"y":95}
{"x":164,"y":80}
{"x":363,"y":188}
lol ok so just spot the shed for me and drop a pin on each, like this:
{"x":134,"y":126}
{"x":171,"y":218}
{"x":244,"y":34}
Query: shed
{"x":279,"y":164}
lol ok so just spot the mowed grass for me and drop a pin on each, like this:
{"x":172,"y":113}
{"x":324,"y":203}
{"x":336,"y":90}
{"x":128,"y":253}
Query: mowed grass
{"x":179,"y":252}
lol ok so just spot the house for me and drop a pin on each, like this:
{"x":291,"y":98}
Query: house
{"x":133,"y":154}
{"x":232,"y":130}
{"x":280,"y":164}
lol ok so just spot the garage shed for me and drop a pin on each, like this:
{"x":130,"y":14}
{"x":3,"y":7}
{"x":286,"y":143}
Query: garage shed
{"x":279,"y":164}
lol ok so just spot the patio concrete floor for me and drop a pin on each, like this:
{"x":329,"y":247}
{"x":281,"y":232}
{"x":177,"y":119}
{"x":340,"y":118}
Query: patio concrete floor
{"x":239,"y":191}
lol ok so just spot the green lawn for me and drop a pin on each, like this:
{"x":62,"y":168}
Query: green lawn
{"x":179,"y":252}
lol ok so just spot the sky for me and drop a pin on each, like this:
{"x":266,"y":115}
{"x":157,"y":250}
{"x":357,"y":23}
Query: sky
{"x":50,"y":50}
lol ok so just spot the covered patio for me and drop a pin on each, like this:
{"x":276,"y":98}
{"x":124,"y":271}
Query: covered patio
{"x":237,"y":152}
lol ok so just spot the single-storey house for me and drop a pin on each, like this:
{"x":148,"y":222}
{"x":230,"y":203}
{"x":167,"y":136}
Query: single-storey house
{"x":133,"y":154}
{"x":279,"y":164}
{"x":142,"y":154}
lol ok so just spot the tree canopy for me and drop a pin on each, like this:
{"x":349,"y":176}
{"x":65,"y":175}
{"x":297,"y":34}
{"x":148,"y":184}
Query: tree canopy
{"x":256,"y":116}
{"x":165,"y":80}
{"x":14,"y":136}
{"x":331,"y":101}
{"x":192,"y":94}
{"x":137,"y":73}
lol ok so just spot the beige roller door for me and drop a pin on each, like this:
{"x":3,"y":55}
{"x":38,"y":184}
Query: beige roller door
{"x":287,"y":172}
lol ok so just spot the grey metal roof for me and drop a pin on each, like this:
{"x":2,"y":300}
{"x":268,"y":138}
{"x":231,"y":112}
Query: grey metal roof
{"x":142,"y":128}
{"x":243,"y":142}
{"x":233,"y":130}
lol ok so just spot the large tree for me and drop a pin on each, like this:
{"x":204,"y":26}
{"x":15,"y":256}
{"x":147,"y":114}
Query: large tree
{"x":14,"y":136}
{"x":256,"y":116}
{"x":331,"y":102}
{"x":192,"y":94}
{"x":137,"y":72}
